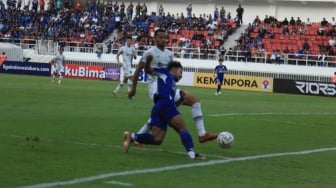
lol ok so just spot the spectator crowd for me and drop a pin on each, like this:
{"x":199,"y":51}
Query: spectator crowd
{"x":277,"y":40}
{"x":69,"y":22}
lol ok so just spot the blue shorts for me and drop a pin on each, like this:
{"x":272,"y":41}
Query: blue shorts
{"x":162,"y":112}
{"x":219,"y":81}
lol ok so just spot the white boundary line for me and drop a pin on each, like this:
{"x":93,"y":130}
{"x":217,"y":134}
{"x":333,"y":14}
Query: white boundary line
{"x":173,"y":167}
{"x":270,"y":113}
{"x":119,"y":183}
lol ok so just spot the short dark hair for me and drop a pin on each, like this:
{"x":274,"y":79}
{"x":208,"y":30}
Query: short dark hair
{"x":159,"y":31}
{"x":174,"y":64}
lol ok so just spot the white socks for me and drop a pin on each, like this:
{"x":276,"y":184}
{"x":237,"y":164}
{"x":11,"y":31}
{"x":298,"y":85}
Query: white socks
{"x":197,"y":115}
{"x":191,"y":154}
{"x":145,"y":128}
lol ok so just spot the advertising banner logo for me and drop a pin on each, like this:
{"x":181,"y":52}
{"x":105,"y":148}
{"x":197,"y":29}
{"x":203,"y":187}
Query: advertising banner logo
{"x":112,"y":73}
{"x":316,"y":88}
{"x":235,"y":82}
{"x":305,"y":87}
{"x":28,"y":68}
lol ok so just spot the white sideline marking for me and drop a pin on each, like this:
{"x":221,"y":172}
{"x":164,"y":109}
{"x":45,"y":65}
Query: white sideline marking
{"x":173,"y":167}
{"x":271,"y":113}
{"x":119,"y":183}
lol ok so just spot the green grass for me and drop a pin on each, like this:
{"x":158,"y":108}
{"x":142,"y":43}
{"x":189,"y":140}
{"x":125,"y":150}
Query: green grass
{"x":80,"y":125}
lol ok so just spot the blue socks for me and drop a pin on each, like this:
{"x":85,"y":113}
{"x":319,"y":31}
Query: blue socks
{"x":145,"y":138}
{"x":187,"y":140}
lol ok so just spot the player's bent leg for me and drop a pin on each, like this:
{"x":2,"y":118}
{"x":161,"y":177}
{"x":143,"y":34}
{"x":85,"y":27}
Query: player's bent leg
{"x":129,"y":83}
{"x":188,"y":99}
{"x":207,"y":137}
{"x":144,"y":129}
{"x":158,"y":134}
{"x":178,"y":124}
{"x":156,"y":138}
{"x":127,"y":141}
{"x":197,"y":115}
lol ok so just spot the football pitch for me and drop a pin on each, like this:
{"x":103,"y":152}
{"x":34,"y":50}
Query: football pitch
{"x":70,"y":135}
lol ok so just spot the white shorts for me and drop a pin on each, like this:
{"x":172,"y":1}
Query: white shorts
{"x":152,"y":89}
{"x":59,"y":69}
{"x":127,"y":71}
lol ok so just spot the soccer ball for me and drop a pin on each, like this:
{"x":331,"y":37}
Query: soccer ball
{"x":225,"y":139}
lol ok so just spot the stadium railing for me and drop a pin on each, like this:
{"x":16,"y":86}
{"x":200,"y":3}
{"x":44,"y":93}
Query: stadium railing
{"x":50,"y":47}
{"x":287,"y":59}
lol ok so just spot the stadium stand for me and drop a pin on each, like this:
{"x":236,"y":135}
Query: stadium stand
{"x":79,"y":28}
{"x":299,"y":40}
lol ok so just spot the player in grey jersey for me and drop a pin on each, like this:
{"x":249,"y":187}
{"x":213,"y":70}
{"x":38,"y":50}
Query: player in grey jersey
{"x":159,"y":56}
{"x":128,"y":53}
{"x":58,"y":62}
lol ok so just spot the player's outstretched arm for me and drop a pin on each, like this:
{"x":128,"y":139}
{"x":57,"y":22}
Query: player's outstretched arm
{"x":148,"y":68}
{"x":137,"y":71}
{"x":117,"y":57}
{"x":141,"y":65}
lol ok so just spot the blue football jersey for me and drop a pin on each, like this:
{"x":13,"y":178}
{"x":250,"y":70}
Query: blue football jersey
{"x":166,"y":84}
{"x":220,"y":69}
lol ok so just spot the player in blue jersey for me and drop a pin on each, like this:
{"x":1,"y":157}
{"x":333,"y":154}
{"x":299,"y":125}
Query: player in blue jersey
{"x":160,"y":56}
{"x":219,"y":72}
{"x":164,"y":111}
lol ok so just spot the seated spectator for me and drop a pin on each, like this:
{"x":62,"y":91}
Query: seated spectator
{"x":298,"y":21}
{"x":324,"y":22}
{"x":321,"y":31}
{"x":278,"y":57}
{"x":108,"y":44}
{"x":285,"y":30}
{"x":299,"y":53}
{"x":306,"y":45}
{"x":302,"y":30}
{"x":285,"y":22}
{"x":2,"y":6}
{"x":274,"y":22}
{"x":262,"y":31}
{"x":322,"y":59}
{"x":267,"y":19}
{"x":286,"y":50}
{"x":323,"y":47}
{"x":99,"y":50}
{"x":257,"y":21}
{"x":247,"y":54}
{"x":78,"y":6}
{"x":273,"y":57}
{"x":333,"y":21}
{"x":293,"y":30}
{"x":308,"y":22}
{"x":292,"y":21}
{"x":332,"y":41}
{"x":332,"y":32}
{"x":271,"y":34}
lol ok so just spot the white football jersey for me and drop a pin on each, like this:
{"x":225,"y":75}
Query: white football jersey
{"x":59,"y":65}
{"x":59,"y":59}
{"x":160,"y":59}
{"x":127,"y":55}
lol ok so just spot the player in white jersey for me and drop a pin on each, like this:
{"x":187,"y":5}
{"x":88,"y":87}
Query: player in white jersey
{"x":128,"y":53}
{"x":58,"y":67}
{"x":159,"y":59}
{"x":159,"y":56}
